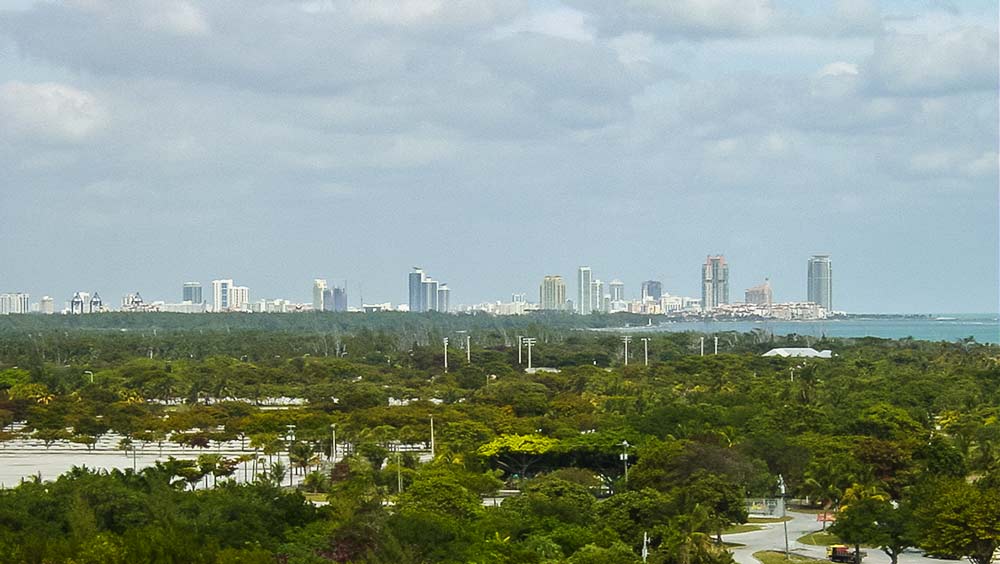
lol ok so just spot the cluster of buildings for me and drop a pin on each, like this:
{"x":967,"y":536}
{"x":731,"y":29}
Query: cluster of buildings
{"x":594,"y":296}
{"x":427,"y":294}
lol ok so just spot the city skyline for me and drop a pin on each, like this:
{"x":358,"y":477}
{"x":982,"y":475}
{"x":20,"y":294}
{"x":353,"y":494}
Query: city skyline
{"x":279,"y":142}
{"x":427,"y":294}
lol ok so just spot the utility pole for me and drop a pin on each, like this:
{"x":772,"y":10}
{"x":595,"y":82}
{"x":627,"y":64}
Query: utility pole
{"x":716,"y":345}
{"x":432,"y":436}
{"x":468,"y":349}
{"x":784,"y":522}
{"x":520,"y":341}
{"x":530,"y":341}
{"x":446,"y":354}
{"x":626,"y":339}
{"x":333,"y":442}
{"x":399,"y":474}
{"x":624,"y":457}
{"x":703,"y":346}
{"x":645,"y":350}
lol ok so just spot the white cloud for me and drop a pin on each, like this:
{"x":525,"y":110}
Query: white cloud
{"x":957,"y":60}
{"x":684,"y":17}
{"x":176,"y":17}
{"x":49,"y":111}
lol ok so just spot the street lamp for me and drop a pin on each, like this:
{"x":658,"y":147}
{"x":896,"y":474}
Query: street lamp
{"x":432,"y":436}
{"x":624,"y":458}
{"x":645,"y":350}
{"x":290,"y":436}
{"x":446,"y":354}
{"x":91,"y":373}
{"x":784,"y":521}
{"x":333,"y":442}
{"x":530,"y":341}
{"x":626,"y":339}
{"x":520,"y":341}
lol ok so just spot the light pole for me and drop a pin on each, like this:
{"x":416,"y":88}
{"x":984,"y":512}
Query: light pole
{"x":432,"y":436}
{"x":530,"y":341}
{"x":626,"y":339}
{"x":468,"y":349}
{"x":716,"y":345}
{"x":624,"y":457}
{"x":520,"y":341}
{"x":399,"y":475}
{"x":91,"y":373}
{"x":333,"y":442}
{"x":446,"y":354}
{"x":645,"y":350}
{"x":291,"y":466}
{"x":703,"y":346}
{"x":784,"y":521}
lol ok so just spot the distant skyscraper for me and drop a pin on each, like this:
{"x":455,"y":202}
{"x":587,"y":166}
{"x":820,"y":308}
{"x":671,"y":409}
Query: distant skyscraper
{"x":617,"y":289}
{"x":652,"y":290}
{"x":340,"y":298}
{"x":760,"y":295}
{"x":584,"y":298}
{"x":552,"y":293}
{"x":416,"y":280}
{"x":95,"y":305}
{"x":15,"y":303}
{"x":239,"y":298}
{"x":220,"y":294}
{"x":319,"y":288}
{"x":597,"y":295}
{"x":443,"y":298}
{"x":47,"y":305}
{"x":192,"y":292}
{"x":820,"y":289}
{"x":430,"y":297}
{"x":714,"y":282}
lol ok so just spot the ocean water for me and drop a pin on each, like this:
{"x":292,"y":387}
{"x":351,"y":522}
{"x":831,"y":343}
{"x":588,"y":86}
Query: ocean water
{"x":984,"y":328}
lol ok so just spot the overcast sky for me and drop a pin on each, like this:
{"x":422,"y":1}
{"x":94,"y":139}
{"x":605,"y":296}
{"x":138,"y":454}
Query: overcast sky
{"x":150,"y":142}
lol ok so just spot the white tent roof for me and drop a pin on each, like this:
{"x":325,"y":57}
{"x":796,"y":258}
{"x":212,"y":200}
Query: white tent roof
{"x":806,"y":352}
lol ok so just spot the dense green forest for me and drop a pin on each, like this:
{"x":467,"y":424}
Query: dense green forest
{"x":903,"y":437}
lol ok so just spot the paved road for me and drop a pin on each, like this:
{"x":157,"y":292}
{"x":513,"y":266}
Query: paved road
{"x":772,"y":537}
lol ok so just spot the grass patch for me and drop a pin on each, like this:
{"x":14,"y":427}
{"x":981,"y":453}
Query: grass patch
{"x":819,"y":538}
{"x":315,"y":496}
{"x":775,"y":557}
{"x":744,"y":528}
{"x":768,"y":519}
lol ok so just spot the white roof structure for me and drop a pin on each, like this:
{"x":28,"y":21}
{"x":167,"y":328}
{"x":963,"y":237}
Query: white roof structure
{"x":797,"y":352}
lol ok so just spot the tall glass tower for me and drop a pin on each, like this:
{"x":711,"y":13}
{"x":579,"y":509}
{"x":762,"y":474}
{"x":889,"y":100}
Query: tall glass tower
{"x":585,"y":302}
{"x":416,"y":280}
{"x":714,"y":282}
{"x":820,"y":289}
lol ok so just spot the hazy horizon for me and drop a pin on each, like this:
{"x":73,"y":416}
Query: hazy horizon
{"x":149,"y":143}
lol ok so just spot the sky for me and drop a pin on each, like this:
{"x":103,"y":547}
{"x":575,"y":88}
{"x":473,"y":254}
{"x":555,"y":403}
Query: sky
{"x":146,"y":143}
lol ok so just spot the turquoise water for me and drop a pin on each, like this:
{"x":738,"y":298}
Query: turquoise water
{"x":984,"y":328}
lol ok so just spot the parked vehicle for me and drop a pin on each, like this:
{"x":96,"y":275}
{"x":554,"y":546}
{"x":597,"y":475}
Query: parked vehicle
{"x":843,"y":553}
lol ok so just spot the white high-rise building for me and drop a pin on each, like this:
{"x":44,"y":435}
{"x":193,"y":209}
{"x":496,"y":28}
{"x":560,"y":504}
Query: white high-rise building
{"x":617,"y":289}
{"x":220,"y":294}
{"x":552,"y":293}
{"x":239,"y":298}
{"x":47,"y":305}
{"x":14,"y":303}
{"x":597,"y":295}
{"x":584,"y":301}
{"x":319,"y":287}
